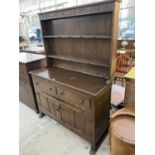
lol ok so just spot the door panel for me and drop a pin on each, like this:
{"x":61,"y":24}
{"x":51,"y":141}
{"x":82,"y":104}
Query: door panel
{"x":52,"y":105}
{"x":65,"y":114}
{"x":42,"y":101}
{"x":82,"y":123}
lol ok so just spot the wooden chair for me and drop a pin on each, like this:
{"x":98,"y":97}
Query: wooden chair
{"x":123,"y":65}
{"x":131,"y":54}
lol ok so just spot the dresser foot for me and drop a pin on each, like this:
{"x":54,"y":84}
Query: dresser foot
{"x":41,"y":115}
{"x":92,"y":151}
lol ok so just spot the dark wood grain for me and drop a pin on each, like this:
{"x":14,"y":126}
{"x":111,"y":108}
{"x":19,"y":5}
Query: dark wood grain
{"x":29,"y":62}
{"x":75,"y":89}
{"x":92,"y":8}
{"x":77,"y":80}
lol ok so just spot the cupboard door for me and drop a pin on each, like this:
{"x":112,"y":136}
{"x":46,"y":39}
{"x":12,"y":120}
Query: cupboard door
{"x":52,"y":104}
{"x":83,"y":123}
{"x":65,"y":114}
{"x":42,"y":101}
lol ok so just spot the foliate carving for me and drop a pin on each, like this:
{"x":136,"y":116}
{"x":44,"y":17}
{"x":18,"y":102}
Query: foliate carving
{"x":83,"y":10}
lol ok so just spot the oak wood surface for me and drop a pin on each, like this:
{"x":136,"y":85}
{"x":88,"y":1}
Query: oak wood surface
{"x":122,"y":132}
{"x":29,"y":62}
{"x":83,"y":82}
{"x":75,"y":87}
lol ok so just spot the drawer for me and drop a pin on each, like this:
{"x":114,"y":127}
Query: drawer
{"x":44,"y":86}
{"x":74,"y":99}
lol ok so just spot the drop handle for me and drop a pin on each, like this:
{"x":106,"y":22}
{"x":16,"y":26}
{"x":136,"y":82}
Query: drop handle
{"x":57,"y":107}
{"x":37,"y":83}
{"x":82,"y":101}
{"x":61,"y":93}
{"x":51,"y":88}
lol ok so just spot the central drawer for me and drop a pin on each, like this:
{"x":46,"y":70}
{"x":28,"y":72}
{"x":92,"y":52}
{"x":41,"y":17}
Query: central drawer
{"x":74,"y":99}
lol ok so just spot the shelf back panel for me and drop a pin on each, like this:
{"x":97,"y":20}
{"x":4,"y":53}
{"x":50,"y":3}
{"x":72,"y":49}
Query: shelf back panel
{"x":97,"y":24}
{"x":99,"y":71}
{"x":89,"y":49}
{"x":82,"y":36}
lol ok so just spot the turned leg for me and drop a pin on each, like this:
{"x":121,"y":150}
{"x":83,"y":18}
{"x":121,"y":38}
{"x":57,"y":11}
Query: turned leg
{"x":41,"y":115}
{"x":95,"y":146}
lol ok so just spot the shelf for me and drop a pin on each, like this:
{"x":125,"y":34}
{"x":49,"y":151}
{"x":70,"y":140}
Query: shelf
{"x":79,"y":60}
{"x":78,"y":36}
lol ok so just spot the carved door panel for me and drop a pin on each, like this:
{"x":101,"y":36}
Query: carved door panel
{"x":65,"y":114}
{"x":42,"y":101}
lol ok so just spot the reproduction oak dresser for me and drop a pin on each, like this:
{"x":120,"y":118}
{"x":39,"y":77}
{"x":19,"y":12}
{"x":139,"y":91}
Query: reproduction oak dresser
{"x":75,"y":88}
{"x":29,"y":62}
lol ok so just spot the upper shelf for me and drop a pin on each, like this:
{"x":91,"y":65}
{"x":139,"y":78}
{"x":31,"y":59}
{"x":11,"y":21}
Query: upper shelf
{"x":79,"y":60}
{"x":78,"y":36}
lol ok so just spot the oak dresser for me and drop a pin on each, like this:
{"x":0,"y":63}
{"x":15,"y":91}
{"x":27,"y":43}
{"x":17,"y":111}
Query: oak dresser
{"x":75,"y":88}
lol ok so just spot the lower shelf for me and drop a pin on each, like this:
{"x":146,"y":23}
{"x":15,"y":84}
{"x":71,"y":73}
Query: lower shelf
{"x":85,"y":61}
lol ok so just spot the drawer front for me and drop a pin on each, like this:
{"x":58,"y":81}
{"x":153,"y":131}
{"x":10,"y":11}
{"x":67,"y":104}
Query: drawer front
{"x":47,"y":87}
{"x":44,"y":86}
{"x":47,"y":103}
{"x":74,"y":99}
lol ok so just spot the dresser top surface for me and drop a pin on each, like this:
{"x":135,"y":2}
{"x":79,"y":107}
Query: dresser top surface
{"x":28,"y":57}
{"x":83,"y":82}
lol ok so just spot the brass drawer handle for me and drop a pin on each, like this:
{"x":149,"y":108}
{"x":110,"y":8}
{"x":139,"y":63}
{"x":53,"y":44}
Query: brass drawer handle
{"x":62,"y":93}
{"x":37,"y":83}
{"x":82,"y":101}
{"x":59,"y":108}
{"x":51,"y":88}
